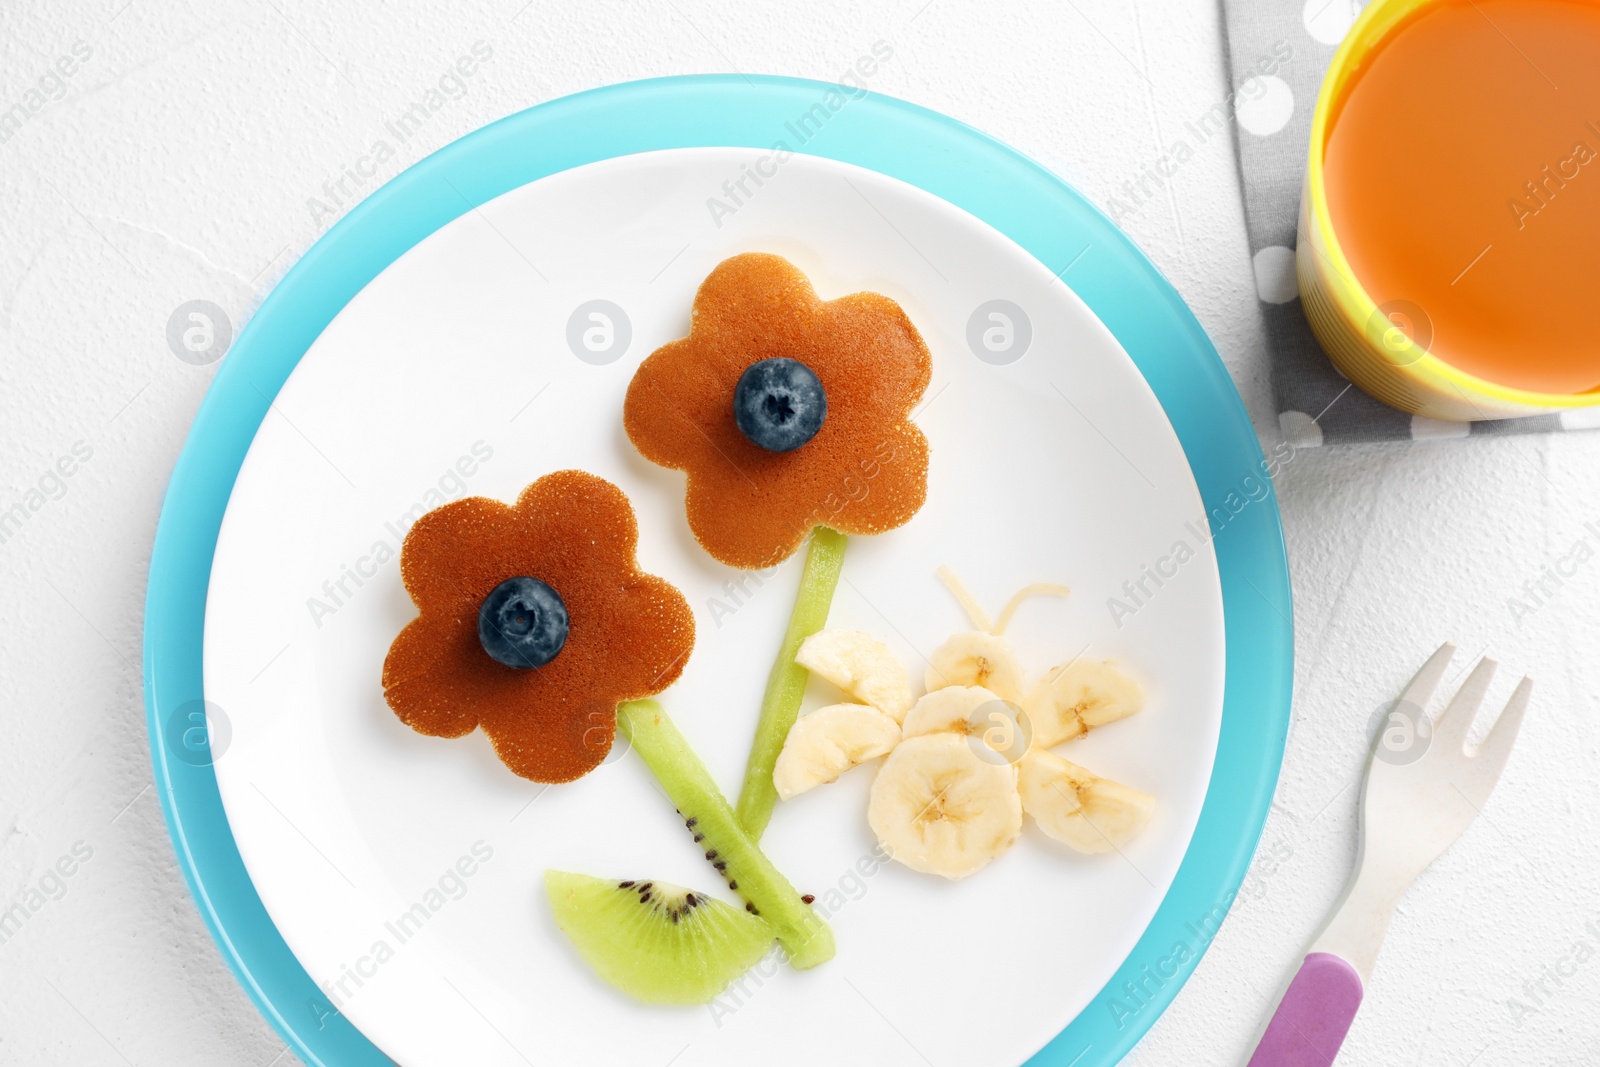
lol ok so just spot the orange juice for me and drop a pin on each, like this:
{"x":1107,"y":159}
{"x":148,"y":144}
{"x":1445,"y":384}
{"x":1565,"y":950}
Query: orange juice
{"x":1462,"y":171}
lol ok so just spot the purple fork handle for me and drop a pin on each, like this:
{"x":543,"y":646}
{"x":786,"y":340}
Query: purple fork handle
{"x":1313,"y":1017}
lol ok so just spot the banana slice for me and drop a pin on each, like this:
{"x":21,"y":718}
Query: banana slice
{"x":976,"y":658}
{"x":1082,"y":811}
{"x":829,"y":741}
{"x":861,"y":665}
{"x":975,"y":712}
{"x":1073,"y":698}
{"x":947,"y":710}
{"x":937,"y":808}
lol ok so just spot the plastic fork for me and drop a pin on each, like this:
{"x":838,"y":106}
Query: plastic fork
{"x":1422,"y":790}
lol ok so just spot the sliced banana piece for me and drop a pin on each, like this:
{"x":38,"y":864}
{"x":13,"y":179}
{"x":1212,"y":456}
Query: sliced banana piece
{"x":947,"y":710}
{"x":1073,"y":698}
{"x":829,"y":741}
{"x":976,"y":713}
{"x":976,"y":658}
{"x":937,"y":808}
{"x":861,"y":665}
{"x":1080,"y":810}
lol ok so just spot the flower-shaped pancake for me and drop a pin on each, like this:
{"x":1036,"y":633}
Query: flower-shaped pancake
{"x":618,"y":633}
{"x":839,"y":377}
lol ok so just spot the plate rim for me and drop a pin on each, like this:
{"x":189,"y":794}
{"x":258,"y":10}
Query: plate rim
{"x":1020,"y":198}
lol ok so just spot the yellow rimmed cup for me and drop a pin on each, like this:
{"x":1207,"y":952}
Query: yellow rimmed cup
{"x":1384,"y":349}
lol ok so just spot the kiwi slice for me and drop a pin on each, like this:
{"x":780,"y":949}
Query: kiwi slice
{"x":804,"y":935}
{"x":658,"y":943}
{"x":780,"y":705}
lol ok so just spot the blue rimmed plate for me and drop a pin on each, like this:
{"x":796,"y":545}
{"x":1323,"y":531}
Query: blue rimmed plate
{"x":443,"y":339}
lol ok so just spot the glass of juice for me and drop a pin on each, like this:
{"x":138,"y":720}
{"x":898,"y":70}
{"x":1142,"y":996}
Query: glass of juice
{"x":1449,"y":247}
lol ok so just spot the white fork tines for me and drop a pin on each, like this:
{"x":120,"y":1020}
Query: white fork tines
{"x":1418,"y":800}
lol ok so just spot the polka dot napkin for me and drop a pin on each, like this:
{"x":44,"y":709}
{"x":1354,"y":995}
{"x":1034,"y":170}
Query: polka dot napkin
{"x":1278,"y":51}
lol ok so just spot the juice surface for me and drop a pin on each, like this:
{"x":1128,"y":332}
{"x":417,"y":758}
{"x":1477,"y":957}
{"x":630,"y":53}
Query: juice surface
{"x":1463,"y":176}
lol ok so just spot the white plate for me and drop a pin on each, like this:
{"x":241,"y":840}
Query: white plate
{"x":451,"y":374}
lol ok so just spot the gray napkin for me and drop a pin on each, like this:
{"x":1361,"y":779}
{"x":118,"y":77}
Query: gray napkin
{"x":1278,"y":51}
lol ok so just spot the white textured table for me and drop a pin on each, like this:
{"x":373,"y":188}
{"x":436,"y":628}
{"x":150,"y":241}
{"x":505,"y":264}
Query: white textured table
{"x":194,"y":153}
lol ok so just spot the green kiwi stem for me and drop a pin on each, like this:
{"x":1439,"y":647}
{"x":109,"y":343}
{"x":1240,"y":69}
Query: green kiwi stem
{"x":787,"y":682}
{"x":802,"y":933}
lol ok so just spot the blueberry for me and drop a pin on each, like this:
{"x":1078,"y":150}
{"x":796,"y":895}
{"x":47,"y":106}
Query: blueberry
{"x":779,"y":404}
{"x":523,"y":623}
